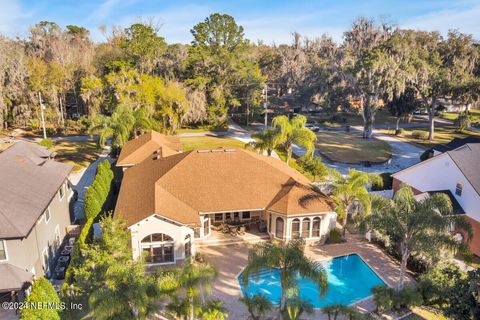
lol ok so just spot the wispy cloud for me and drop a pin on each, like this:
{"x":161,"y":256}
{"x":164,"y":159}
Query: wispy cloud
{"x":11,"y":14}
{"x":464,"y":18}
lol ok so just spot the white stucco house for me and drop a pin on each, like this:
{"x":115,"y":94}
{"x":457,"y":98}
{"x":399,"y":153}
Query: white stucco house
{"x":454,"y":172}
{"x":173,"y":202}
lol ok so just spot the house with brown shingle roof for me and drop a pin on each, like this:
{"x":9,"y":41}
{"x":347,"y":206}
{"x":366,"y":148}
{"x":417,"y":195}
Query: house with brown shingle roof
{"x":173,"y":202}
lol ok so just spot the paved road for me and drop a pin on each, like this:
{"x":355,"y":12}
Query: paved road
{"x":404,"y":155}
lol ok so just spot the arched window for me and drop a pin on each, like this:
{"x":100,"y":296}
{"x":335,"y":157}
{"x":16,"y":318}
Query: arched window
{"x":188,"y":246}
{"x":316,"y":227}
{"x":279,"y":228}
{"x":306,"y":228}
{"x":295,"y":228}
{"x":158,"y":248}
{"x":157,"y":237}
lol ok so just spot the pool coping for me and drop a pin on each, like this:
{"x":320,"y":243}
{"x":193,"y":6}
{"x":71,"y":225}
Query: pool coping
{"x":333,"y":257}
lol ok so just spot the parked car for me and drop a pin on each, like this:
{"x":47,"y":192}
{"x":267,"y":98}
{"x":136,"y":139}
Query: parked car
{"x":312,"y":127}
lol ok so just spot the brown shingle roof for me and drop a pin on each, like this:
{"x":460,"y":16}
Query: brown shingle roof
{"x":29,"y":180}
{"x":143,"y":147}
{"x":181,"y":186}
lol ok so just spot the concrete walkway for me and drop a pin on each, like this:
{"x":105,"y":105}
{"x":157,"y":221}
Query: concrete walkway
{"x":82,"y":179}
{"x":231,"y":260}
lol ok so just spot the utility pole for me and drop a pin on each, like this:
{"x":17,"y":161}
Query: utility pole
{"x":265,"y":104}
{"x":43,"y":118}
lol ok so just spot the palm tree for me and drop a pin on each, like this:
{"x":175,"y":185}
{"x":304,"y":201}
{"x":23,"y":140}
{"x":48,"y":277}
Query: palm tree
{"x":350,"y":192}
{"x":214,"y":310}
{"x":186,"y":282}
{"x":290,"y":259}
{"x":335,"y":310}
{"x":257,"y":305}
{"x":122,"y":125}
{"x":416,"y":226}
{"x":265,"y":140}
{"x":292,"y":132}
{"x":296,"y":306}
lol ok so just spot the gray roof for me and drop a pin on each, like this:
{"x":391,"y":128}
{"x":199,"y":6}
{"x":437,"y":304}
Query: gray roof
{"x":29,"y":181}
{"x":13,"y":278}
{"x":467,"y":159}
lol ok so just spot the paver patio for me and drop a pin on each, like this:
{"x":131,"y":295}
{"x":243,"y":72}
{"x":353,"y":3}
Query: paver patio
{"x":230,"y":261}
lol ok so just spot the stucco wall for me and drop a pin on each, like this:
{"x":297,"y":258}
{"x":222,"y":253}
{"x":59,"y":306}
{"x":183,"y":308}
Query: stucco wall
{"x":27,"y":253}
{"x":441,"y":173}
{"x":327,"y":223}
{"x":154,"y":224}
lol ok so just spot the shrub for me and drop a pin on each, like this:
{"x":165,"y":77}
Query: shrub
{"x":399,"y":131}
{"x":383,"y":297}
{"x":387,"y":181}
{"x":47,"y":143}
{"x":406,"y":298}
{"x":51,"y":131}
{"x":92,"y":204}
{"x":42,"y":292}
{"x":420,"y":134}
{"x":427,"y":154}
{"x":463,"y":120}
{"x":335,"y":236}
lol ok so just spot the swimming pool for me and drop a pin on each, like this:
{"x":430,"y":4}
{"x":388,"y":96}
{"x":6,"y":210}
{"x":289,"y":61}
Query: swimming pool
{"x":350,"y":279}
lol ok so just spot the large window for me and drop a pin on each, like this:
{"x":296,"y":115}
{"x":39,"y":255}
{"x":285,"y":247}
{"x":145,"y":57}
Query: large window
{"x":218,"y":217}
{"x":306,"y":228}
{"x":158,"y":248}
{"x":295,"y":228}
{"x":279,"y":228}
{"x":3,"y":250}
{"x":316,"y":227}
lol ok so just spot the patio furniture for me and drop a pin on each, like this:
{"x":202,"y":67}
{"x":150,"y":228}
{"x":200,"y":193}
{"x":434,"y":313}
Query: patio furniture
{"x":241,"y":230}
{"x":262,"y":226}
{"x":63,"y":261}
{"x":234,"y":231}
{"x":59,"y":273}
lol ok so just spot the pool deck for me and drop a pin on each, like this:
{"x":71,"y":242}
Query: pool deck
{"x":230,"y":261}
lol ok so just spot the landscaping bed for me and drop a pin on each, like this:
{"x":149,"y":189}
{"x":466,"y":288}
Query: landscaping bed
{"x":351,"y":148}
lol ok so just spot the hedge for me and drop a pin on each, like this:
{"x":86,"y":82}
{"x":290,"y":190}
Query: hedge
{"x":42,"y":292}
{"x":420,"y":134}
{"x":97,"y":194}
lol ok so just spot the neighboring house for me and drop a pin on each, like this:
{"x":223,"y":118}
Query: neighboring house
{"x":453,"y":144}
{"x":170,"y":203}
{"x":456,"y":173}
{"x":34,"y":213}
{"x":144,"y":146}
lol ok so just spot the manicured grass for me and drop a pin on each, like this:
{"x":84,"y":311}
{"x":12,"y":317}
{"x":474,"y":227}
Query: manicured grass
{"x":442,"y":135}
{"x":351,"y":147}
{"x":474,"y":113}
{"x":78,"y":153}
{"x":203,"y":142}
{"x":202,"y":129}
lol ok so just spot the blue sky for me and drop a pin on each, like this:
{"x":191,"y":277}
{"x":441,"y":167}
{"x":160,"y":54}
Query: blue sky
{"x":268,"y":20}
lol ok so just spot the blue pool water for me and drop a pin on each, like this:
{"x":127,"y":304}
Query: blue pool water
{"x":349,"y":279}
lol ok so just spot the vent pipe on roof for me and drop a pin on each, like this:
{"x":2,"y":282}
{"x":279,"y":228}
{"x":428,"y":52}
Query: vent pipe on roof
{"x":157,"y":154}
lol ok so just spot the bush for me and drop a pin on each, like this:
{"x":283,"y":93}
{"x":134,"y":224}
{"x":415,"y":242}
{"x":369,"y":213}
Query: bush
{"x":420,"y":134}
{"x":47,"y":143}
{"x":427,"y":154}
{"x":387,"y":298}
{"x":42,"y":292}
{"x":387,"y":181}
{"x":383,"y":297}
{"x":335,"y":236}
{"x":399,"y":131}
{"x":463,"y":120}
{"x":51,"y":131}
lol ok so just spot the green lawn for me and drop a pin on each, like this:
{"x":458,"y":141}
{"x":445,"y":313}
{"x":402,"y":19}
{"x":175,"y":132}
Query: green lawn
{"x":442,"y":135}
{"x":202,"y":129}
{"x":422,"y":313}
{"x":351,"y":147}
{"x":192,"y":143}
{"x":78,"y":153}
{"x":474,"y":113}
